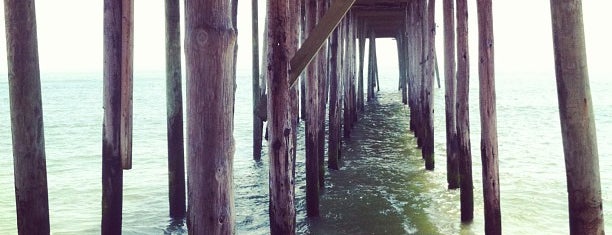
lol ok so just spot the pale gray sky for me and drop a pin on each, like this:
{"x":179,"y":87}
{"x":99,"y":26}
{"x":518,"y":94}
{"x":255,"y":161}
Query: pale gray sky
{"x":70,"y":35}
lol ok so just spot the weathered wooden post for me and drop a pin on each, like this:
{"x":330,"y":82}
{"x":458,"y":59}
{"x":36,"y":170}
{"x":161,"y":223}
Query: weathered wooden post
{"x":436,"y":67}
{"x":452,"y":157}
{"x":410,"y":44}
{"x":371,"y":78}
{"x":577,"y":121}
{"x":209,"y":48}
{"x":303,"y":76}
{"x":280,"y":39}
{"x":323,"y":84}
{"x":29,"y":162}
{"x":257,"y":120}
{"x":429,"y":34}
{"x":401,"y":53}
{"x":333,"y":150}
{"x":312,"y":122}
{"x":362,"y":37}
{"x":174,"y":109}
{"x":353,"y":67}
{"x":348,"y":101}
{"x":463,"y":114}
{"x":488,"y":119}
{"x":116,"y":148}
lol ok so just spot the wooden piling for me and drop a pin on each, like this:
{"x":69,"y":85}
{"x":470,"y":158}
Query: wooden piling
{"x":371,"y":61}
{"x":312,"y":124}
{"x":463,"y":114}
{"x":429,"y":34}
{"x":174,"y":109}
{"x":303,"y":76}
{"x":376,"y":79}
{"x":436,"y":67}
{"x":418,"y":10}
{"x":402,"y":66}
{"x":488,"y":119}
{"x":410,"y":57}
{"x":577,"y":119}
{"x":348,"y":125}
{"x":333,"y":150}
{"x":452,"y":157}
{"x":282,"y":187}
{"x":322,"y":79}
{"x":353,"y":67}
{"x":112,"y":133}
{"x":360,"y":91}
{"x":29,"y":162}
{"x":257,"y":120}
{"x":209,"y":48}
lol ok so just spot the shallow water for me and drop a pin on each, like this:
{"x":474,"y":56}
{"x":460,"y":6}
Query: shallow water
{"x":382,"y":187}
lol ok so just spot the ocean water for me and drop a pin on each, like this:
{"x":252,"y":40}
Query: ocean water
{"x":382,"y":187}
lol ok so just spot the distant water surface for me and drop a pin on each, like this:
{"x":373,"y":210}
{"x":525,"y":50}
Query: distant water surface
{"x":382,"y":187}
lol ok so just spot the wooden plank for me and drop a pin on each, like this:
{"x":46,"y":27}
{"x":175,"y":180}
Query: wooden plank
{"x":174,"y":109}
{"x":317,"y":37}
{"x":452,"y":156}
{"x":127,"y":83}
{"x":463,"y":114}
{"x":112,"y":173}
{"x":209,"y":52}
{"x":30,"y":171}
{"x":577,"y":119}
{"x":280,"y":128}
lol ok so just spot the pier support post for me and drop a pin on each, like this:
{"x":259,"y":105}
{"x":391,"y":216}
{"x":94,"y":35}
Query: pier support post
{"x":281,"y":37}
{"x":312,"y":122}
{"x":348,"y":106}
{"x":371,"y":62}
{"x":209,"y":47}
{"x":463,"y":114}
{"x":257,"y":120}
{"x":429,"y":35}
{"x":402,"y":66}
{"x":488,"y":119}
{"x":322,"y":79}
{"x":30,"y":170}
{"x":452,"y":156}
{"x":116,"y":132}
{"x":333,"y":151}
{"x":174,"y":109}
{"x":362,"y":37}
{"x":577,"y":121}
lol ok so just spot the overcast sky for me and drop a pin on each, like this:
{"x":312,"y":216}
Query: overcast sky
{"x":70,"y":35}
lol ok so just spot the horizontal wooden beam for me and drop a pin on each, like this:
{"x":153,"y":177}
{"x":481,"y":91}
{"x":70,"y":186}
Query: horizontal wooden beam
{"x":317,"y":37}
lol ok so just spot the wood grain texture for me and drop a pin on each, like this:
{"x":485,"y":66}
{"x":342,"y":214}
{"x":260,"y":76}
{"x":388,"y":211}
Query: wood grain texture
{"x":450,"y":87}
{"x":30,"y":171}
{"x":488,"y":119}
{"x":577,"y":121}
{"x":312,"y":121}
{"x":174,"y":110}
{"x":463,"y":114}
{"x":280,"y":133}
{"x":112,"y":172}
{"x":209,"y":48}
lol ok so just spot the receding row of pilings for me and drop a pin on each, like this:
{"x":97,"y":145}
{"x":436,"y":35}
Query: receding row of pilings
{"x":210,"y":48}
